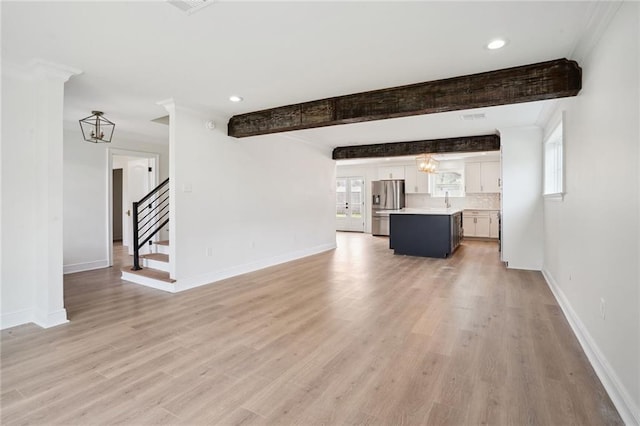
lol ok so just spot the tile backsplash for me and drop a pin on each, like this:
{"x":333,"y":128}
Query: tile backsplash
{"x":471,"y":201}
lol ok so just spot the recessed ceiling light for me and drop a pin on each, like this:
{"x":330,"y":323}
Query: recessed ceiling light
{"x":496,"y":44}
{"x":235,"y":98}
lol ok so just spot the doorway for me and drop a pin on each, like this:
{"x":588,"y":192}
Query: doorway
{"x":350,"y":204}
{"x":139,"y":175}
{"x":117,"y":205}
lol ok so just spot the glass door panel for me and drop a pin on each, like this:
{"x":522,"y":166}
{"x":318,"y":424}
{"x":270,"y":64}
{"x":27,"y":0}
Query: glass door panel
{"x":356,"y":200}
{"x":341,"y":198}
{"x":350,"y":204}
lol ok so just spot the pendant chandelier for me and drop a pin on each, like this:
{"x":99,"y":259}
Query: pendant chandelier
{"x":96,"y":128}
{"x":426,"y":163}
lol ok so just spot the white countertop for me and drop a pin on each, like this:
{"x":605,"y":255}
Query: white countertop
{"x":432,"y":211}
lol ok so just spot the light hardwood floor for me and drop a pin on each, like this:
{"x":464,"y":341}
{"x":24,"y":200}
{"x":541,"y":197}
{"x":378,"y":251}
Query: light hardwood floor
{"x":352,"y":336}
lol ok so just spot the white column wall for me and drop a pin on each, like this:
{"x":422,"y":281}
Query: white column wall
{"x":522,"y":213}
{"x":32,"y":285}
{"x":19,"y":184}
{"x":49,"y":86}
{"x":592,"y":237}
{"x":244,"y":204}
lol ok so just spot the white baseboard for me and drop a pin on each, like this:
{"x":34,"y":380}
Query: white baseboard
{"x":13,"y":319}
{"x":209,"y":278}
{"x":86,"y":266}
{"x":183,"y":284}
{"x":42,"y":319}
{"x":50,"y":319}
{"x":619,"y":395}
{"x":511,"y":265}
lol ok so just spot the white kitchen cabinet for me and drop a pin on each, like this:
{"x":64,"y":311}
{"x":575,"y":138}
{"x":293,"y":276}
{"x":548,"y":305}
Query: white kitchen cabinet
{"x":482,"y":226}
{"x":415,"y":182}
{"x":472,"y":178}
{"x":482,"y":177}
{"x":391,"y":172}
{"x":494,"y":224}
{"x":478,"y":223}
{"x":490,"y":176}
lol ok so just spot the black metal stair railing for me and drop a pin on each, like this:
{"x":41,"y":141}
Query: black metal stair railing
{"x":150,"y":215}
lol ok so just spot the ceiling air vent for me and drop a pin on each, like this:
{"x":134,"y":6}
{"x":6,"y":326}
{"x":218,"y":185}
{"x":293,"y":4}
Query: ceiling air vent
{"x":471,"y":117}
{"x":190,"y":6}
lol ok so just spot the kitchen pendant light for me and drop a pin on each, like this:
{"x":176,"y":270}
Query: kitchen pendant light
{"x":426,"y":163}
{"x":96,"y":128}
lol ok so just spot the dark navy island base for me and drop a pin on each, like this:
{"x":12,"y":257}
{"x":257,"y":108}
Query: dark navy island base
{"x":426,"y":235}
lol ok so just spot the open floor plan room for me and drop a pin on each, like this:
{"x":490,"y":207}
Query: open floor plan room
{"x":355,"y":335}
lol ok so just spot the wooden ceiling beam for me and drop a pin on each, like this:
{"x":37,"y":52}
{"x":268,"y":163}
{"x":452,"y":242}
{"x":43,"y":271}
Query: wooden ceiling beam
{"x":434,"y":146}
{"x":546,"y":80}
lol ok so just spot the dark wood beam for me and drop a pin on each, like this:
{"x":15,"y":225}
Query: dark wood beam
{"x":535,"y":82}
{"x":397,"y":149}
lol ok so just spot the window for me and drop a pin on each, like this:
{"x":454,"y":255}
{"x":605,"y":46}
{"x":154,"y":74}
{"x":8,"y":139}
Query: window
{"x":553,"y":163}
{"x":451,"y":181}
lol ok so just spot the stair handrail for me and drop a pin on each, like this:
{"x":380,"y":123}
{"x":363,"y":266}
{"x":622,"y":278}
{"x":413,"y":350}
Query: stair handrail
{"x":160,"y":214}
{"x":153,"y":191}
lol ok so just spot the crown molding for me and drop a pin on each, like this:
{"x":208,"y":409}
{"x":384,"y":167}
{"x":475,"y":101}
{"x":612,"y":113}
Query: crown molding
{"x":40,"y":67}
{"x":598,"y":19}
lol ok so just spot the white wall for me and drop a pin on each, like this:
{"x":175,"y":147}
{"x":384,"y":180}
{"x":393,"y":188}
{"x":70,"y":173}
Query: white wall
{"x":249,"y":203}
{"x":32,"y":186}
{"x":591,"y":237}
{"x":86,"y":208}
{"x":18,"y":203}
{"x":522,"y":213}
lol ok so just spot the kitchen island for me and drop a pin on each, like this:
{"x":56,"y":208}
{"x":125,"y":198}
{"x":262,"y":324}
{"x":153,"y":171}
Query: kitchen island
{"x":425,"y":232}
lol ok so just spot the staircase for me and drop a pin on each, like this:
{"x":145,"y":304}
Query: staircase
{"x":151,"y":264}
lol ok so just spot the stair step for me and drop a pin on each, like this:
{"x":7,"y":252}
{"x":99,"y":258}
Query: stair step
{"x":154,"y":274}
{"x":161,"y":246}
{"x":158,"y":257}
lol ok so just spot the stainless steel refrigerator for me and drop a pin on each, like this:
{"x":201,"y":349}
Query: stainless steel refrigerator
{"x":388,"y":195}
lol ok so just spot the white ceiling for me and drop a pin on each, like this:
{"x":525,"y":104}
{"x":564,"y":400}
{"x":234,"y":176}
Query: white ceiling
{"x":134,"y":54}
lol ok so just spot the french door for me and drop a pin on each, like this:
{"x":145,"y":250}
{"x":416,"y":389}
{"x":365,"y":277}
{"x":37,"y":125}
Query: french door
{"x":350,"y":204}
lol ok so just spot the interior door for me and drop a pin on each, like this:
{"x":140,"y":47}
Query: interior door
{"x":138,"y":183}
{"x":350,"y":204}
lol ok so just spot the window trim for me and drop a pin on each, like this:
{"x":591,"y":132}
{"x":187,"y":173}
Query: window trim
{"x":557,"y":195}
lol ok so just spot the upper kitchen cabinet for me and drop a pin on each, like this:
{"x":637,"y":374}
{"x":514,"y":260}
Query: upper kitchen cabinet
{"x":482,"y":177}
{"x":415,"y":182}
{"x":393,"y":172}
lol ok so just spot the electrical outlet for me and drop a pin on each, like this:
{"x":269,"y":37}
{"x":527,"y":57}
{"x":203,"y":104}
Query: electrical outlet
{"x":209,"y":251}
{"x":252,"y":244}
{"x":602,"y":308}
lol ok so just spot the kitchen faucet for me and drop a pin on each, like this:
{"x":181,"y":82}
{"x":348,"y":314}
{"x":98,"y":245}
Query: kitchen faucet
{"x":446,"y":199}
